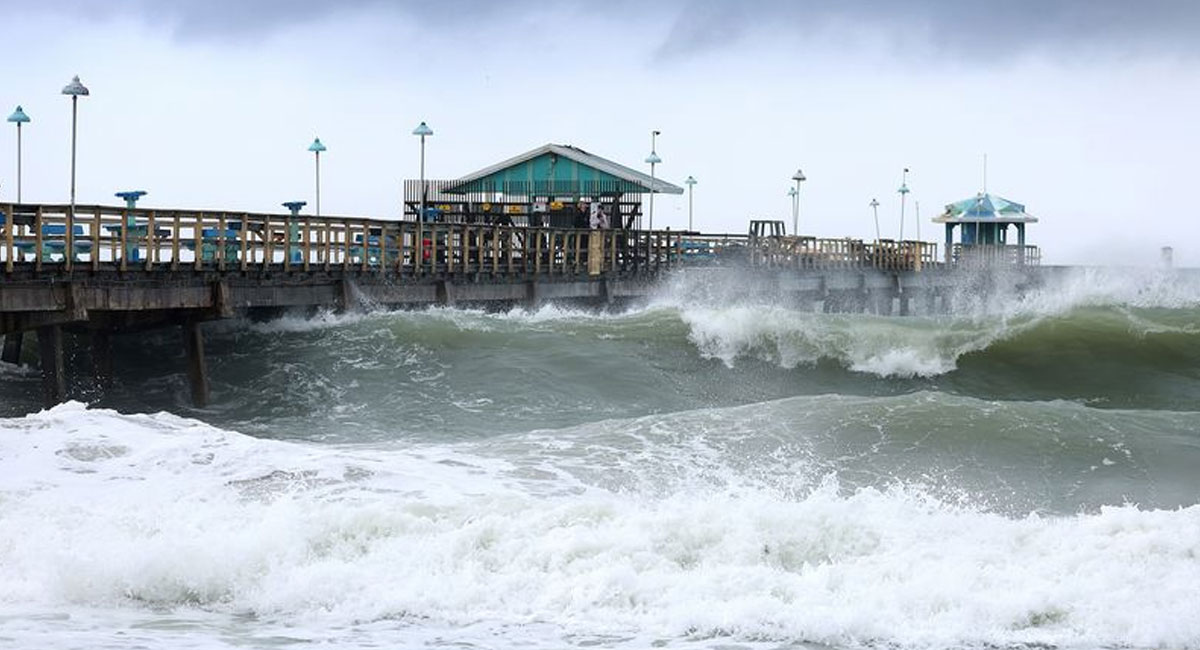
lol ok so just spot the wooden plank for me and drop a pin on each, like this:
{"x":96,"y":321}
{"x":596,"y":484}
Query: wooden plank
{"x":37,"y":240}
{"x":96,"y":220}
{"x":244,"y":239}
{"x":307,"y":244}
{"x":9,"y":226}
{"x":197,"y":237}
{"x":178,"y":228}
{"x":151,"y":242}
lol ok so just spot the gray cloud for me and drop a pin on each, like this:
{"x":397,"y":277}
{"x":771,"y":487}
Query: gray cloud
{"x":973,"y":29}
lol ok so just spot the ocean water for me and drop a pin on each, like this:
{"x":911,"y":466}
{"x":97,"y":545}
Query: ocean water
{"x":707,"y":469}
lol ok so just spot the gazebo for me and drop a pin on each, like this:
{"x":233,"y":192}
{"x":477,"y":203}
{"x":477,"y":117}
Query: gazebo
{"x":555,"y":185}
{"x":985,"y":219}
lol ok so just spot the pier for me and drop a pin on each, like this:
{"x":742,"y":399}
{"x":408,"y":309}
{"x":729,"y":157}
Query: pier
{"x":104,"y":271}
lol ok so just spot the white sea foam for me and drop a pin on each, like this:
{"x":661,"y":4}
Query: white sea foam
{"x":156,"y":516}
{"x":727,"y":324}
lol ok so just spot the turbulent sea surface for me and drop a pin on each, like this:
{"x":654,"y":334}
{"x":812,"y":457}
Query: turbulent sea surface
{"x":709,"y":469}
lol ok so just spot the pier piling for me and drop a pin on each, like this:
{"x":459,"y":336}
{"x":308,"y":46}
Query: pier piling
{"x":54,"y":378}
{"x":197,"y":369}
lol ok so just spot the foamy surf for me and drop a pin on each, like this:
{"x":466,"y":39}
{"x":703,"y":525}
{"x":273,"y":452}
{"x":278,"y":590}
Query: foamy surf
{"x":504,"y":543}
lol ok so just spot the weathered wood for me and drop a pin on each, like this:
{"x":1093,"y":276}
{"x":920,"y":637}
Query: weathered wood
{"x":193,"y":339}
{"x":54,"y":380}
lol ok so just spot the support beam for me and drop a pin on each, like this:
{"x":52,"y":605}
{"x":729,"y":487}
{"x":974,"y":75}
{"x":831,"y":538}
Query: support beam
{"x":54,"y":377}
{"x":193,"y":340}
{"x":102,"y":365}
{"x":533,"y":299}
{"x":12,"y":347}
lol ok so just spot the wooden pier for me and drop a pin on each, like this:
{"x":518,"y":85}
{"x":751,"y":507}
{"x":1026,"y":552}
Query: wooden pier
{"x":102,"y":271}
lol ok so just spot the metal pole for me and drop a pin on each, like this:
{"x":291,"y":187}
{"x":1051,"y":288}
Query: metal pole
{"x":875,"y":209}
{"x":18,"y":162}
{"x":691,"y":186}
{"x":796,"y":211}
{"x":421,"y":217}
{"x":318,"y":154}
{"x":651,"y":196}
{"x":74,"y":120}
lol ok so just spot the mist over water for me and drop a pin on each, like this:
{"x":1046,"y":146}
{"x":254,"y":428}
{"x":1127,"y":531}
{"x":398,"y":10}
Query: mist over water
{"x":712,"y":467}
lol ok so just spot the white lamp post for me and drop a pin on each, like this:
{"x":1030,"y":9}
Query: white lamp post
{"x":653,"y":159}
{"x":75,"y":89}
{"x":691,"y":183}
{"x":875,"y":209}
{"x":792,"y":193}
{"x":316,"y":147}
{"x":18,"y":117}
{"x":903,"y":195}
{"x":422,"y":130}
{"x":799,"y":178}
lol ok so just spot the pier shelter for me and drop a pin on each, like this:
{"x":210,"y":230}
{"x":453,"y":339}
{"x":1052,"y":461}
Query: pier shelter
{"x":984,"y":221}
{"x":554,"y":185}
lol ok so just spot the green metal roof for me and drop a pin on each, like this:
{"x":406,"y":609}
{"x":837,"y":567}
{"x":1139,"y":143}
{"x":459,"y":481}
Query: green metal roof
{"x":985,"y":208}
{"x":560,"y":170}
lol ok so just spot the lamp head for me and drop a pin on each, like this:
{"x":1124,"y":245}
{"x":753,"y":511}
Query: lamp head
{"x":690,"y":181}
{"x":422,"y":130}
{"x":799,"y":176}
{"x":316,"y":146}
{"x":653,"y":158}
{"x":18,"y":116}
{"x":75,"y":88}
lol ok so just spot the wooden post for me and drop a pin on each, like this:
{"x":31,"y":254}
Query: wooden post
{"x":244,"y":239}
{"x":178,"y":232}
{"x":307,"y":245}
{"x":198,"y":237}
{"x":95,"y":241}
{"x":221,"y":240}
{"x":102,"y":365}
{"x":12,"y":347}
{"x":193,"y":340}
{"x":151,"y":244}
{"x":9,"y":227}
{"x":54,"y":379}
{"x":37,"y":240}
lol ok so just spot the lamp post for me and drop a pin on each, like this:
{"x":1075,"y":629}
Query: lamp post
{"x":792,"y":193}
{"x":316,"y":147}
{"x":422,"y":130}
{"x":74,"y":89}
{"x":875,"y":209}
{"x":18,"y":117}
{"x":903,"y":195}
{"x":691,"y":183}
{"x":653,"y":159}
{"x":799,"y":178}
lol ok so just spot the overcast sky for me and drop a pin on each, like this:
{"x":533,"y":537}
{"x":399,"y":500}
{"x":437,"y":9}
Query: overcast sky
{"x":1086,"y":109}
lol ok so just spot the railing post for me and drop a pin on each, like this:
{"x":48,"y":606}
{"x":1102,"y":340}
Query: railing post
{"x":95,"y":240}
{"x":9,"y":225}
{"x":151,"y":242}
{"x":198,"y":238}
{"x":37,"y":240}
{"x":176,"y":235}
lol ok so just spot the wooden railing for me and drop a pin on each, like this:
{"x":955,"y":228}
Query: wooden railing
{"x":102,"y":237}
{"x":808,"y":252}
{"x":988,"y":255}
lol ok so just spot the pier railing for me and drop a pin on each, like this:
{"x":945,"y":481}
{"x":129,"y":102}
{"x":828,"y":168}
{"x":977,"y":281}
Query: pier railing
{"x":808,"y":252}
{"x":989,"y":255}
{"x":103,"y":237}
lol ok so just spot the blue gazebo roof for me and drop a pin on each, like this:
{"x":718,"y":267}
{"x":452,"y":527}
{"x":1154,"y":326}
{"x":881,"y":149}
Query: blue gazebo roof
{"x":985,"y":208}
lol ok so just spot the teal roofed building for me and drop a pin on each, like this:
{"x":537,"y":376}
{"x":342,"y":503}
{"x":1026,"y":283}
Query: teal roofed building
{"x":555,"y":185}
{"x":984,"y":221}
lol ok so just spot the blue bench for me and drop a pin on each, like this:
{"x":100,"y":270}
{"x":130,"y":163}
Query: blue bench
{"x":56,"y":247}
{"x":372,"y":249}
{"x":210,"y":242}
